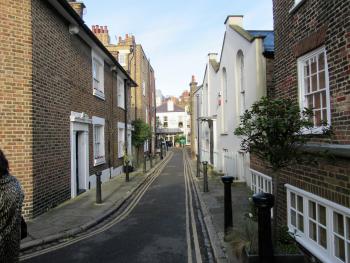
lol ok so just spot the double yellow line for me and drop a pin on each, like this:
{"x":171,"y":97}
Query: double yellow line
{"x":135,"y":200}
{"x":190,"y":219}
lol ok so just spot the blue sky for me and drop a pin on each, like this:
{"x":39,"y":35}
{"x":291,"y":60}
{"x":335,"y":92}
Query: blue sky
{"x":176,"y":35}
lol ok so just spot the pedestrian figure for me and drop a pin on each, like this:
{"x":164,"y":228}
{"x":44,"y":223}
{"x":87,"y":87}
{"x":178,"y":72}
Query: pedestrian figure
{"x":11,"y":200}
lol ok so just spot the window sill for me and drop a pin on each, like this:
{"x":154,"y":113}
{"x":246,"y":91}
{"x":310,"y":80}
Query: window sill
{"x":315,"y":130}
{"x":99,"y":161}
{"x":121,"y":107}
{"x":296,"y":7}
{"x":99,"y":94}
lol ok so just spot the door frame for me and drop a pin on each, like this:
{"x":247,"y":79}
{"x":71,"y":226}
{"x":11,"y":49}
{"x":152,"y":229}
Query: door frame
{"x":79,"y":123}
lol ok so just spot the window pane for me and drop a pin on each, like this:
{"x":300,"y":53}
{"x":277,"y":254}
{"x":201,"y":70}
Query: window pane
{"x":317,"y":117}
{"x":322,"y":237}
{"x":300,"y":204}
{"x":322,"y":80}
{"x":348,"y":229}
{"x":324,"y":99}
{"x":338,"y":220}
{"x":339,"y":248}
{"x":314,"y":82}
{"x":324,"y":117}
{"x":307,"y":85}
{"x":313,"y":65}
{"x":312,"y":231}
{"x":317,"y":101}
{"x":301,"y":223}
{"x":321,"y":61}
{"x":310,"y":101}
{"x":306,"y":69}
{"x":322,"y":215}
{"x":312,"y":210}
{"x":293,"y":218}
{"x":292,"y":200}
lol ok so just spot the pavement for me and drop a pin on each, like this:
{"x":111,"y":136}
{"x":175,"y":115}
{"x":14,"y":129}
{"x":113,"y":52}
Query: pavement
{"x":81,"y":213}
{"x":213,"y":203}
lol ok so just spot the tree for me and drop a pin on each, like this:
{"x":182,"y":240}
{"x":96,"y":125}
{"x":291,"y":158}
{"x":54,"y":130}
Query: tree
{"x":275,"y":131}
{"x":141,"y":133}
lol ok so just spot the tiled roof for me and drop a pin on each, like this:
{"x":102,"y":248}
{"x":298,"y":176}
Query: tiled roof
{"x":164,"y":108}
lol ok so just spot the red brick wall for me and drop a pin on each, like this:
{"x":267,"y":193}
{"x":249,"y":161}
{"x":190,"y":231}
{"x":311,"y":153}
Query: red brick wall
{"x":15,"y":92}
{"x":314,"y":24}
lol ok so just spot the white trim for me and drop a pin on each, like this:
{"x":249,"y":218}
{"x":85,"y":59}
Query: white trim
{"x":98,"y":92}
{"x":324,"y":254}
{"x":97,"y":121}
{"x":301,"y":89}
{"x":319,"y":199}
{"x":79,"y":122}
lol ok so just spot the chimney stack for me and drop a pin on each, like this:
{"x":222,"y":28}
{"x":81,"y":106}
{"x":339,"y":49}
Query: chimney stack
{"x":78,"y":7}
{"x":234,"y":20}
{"x":102,"y":34}
{"x":213,"y":56}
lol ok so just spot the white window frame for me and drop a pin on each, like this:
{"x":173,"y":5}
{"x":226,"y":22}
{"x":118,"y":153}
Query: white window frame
{"x":143,"y":88}
{"x":98,"y":80}
{"x":326,"y":255}
{"x":120,"y":92}
{"x":99,"y":154}
{"x":302,"y":100}
{"x":122,"y":57}
{"x":260,"y":182}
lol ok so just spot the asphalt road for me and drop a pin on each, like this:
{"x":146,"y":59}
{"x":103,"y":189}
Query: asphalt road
{"x":155,"y":230}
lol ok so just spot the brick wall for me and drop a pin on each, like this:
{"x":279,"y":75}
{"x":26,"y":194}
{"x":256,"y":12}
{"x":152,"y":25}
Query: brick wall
{"x":16,"y":130}
{"x":314,"y":24}
{"x":62,"y":82}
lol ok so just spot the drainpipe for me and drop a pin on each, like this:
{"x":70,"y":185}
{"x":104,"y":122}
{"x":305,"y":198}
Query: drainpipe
{"x":126,"y":124}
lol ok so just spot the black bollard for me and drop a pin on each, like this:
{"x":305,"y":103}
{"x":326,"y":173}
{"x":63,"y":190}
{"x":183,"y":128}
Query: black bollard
{"x":144,"y":163}
{"x":264,"y":202}
{"x":161,"y":152}
{"x":198,"y":167}
{"x":227,"y":180}
{"x":151,"y":160}
{"x":205,"y":177}
{"x":98,"y":188}
{"x":127,"y":179}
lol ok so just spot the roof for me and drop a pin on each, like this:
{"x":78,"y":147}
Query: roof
{"x":164,"y":108}
{"x":250,"y":35}
{"x":67,"y":7}
{"x":269,"y":38}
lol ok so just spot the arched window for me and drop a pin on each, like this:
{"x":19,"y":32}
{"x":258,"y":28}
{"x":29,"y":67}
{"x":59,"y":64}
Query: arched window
{"x":240,"y":82}
{"x":224,"y":100}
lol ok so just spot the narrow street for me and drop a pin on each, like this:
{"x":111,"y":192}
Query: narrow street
{"x":164,"y":226}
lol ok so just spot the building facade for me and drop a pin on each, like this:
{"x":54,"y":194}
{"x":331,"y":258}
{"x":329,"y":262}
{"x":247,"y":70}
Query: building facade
{"x":312,"y":63}
{"x":231,"y":84}
{"x":172,"y":120}
{"x":134,"y":60}
{"x":66,"y":98}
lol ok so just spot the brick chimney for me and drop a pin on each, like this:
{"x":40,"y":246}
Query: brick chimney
{"x":102,"y":34}
{"x":78,"y":7}
{"x":234,"y":20}
{"x":129,"y":40}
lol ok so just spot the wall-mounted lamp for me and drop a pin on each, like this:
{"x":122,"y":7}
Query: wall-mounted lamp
{"x":73,"y":29}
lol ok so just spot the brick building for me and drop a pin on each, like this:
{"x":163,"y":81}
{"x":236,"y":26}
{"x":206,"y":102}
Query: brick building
{"x":63,"y":102}
{"x":133,"y":58}
{"x":312,"y":66}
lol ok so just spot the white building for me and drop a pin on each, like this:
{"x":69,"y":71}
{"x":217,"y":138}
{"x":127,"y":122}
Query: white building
{"x":172,"y":120}
{"x":230,"y":86}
